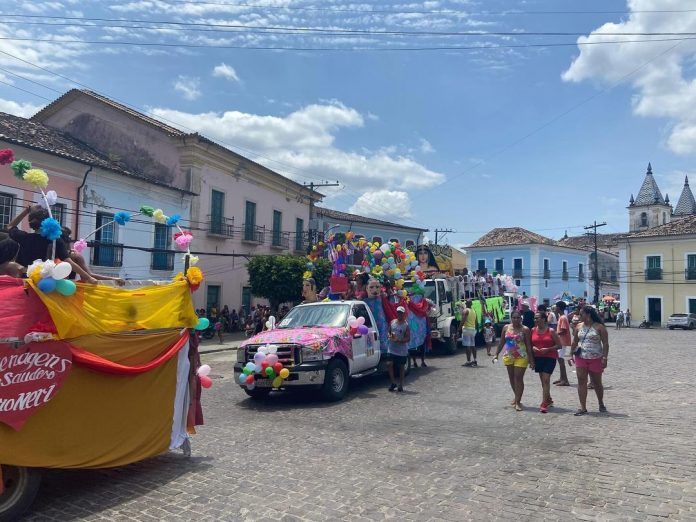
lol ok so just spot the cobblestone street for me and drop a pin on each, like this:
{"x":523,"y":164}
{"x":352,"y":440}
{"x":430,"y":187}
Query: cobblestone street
{"x":449,"y":448}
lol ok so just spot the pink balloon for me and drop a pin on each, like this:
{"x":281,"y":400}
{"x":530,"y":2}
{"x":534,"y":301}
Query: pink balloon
{"x":360,"y":320}
{"x":204,"y":370}
{"x":272,"y":359}
{"x":206,"y":381}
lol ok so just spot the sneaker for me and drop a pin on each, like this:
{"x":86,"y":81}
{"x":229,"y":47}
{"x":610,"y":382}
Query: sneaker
{"x":400,"y":388}
{"x":467,"y":364}
{"x":392,"y":387}
{"x":544,"y":408}
{"x":474,"y":364}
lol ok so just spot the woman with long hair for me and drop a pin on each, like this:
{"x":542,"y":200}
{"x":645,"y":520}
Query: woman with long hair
{"x":591,"y":351}
{"x":426,"y":259}
{"x":545,"y":345}
{"x":515,"y":339}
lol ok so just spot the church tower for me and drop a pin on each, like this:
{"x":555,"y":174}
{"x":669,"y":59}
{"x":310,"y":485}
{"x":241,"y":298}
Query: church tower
{"x":649,"y":209}
{"x":686,"y":206}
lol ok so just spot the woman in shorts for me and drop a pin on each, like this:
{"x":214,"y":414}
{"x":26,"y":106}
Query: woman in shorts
{"x":515,"y":338}
{"x":545,"y":346}
{"x":591,"y":350}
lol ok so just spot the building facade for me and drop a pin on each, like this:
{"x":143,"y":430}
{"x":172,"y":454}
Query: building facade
{"x":540,"y":266}
{"x":91,"y":189}
{"x":658,"y":271}
{"x":238,"y":208}
{"x":332,"y":221}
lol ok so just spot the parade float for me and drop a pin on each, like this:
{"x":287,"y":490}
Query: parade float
{"x":93,"y":375}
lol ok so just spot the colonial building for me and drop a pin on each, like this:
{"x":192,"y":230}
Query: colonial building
{"x":658,"y":257}
{"x":540,"y":266}
{"x":241,"y":208}
{"x":607,"y":259}
{"x":332,"y":221}
{"x":91,"y":187}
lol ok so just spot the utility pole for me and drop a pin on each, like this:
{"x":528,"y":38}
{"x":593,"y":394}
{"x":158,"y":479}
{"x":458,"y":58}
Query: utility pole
{"x":311,"y":187}
{"x":443,"y":231}
{"x":595,"y":270}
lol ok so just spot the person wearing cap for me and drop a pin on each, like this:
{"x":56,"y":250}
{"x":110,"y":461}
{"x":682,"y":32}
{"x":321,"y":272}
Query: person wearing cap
{"x":399,"y":337}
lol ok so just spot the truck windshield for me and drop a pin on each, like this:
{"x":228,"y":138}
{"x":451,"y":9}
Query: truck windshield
{"x":328,"y":314}
{"x":428,"y":291}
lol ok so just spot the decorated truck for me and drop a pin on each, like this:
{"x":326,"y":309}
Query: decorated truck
{"x":320,"y":345}
{"x":443,"y":293}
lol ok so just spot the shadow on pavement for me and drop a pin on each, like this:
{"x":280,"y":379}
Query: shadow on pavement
{"x":87,"y":492}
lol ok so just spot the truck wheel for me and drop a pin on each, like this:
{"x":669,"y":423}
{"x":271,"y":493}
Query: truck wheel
{"x":20,"y":488}
{"x":335,"y":381}
{"x":258,"y":393}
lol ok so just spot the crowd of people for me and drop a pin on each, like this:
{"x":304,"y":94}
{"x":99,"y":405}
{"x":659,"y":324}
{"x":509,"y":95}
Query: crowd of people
{"x":225,"y":321}
{"x":548,"y":338}
{"x":480,"y":283}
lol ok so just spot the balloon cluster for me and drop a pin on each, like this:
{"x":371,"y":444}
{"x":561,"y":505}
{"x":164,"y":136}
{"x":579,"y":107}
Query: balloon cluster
{"x":267,"y":363}
{"x":203,"y":372}
{"x":49,"y":277}
{"x":357,"y":326}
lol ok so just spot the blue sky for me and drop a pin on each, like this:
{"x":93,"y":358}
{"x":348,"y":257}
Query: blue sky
{"x":461,"y":139}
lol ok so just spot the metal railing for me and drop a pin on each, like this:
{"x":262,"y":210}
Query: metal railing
{"x":565,"y":276}
{"x":653,"y":274}
{"x":106,"y":254}
{"x":517,"y":273}
{"x":302,"y":242}
{"x":280,"y":239}
{"x":547,"y":273}
{"x":581,"y":276}
{"x":222,"y":226}
{"x":254,"y":234}
{"x":162,"y":261}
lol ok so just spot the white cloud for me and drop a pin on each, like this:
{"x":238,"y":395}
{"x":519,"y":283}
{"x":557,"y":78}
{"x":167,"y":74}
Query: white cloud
{"x":302,"y":146}
{"x":383,"y":204}
{"x":189,"y":87}
{"x":226,"y":71}
{"x":655,"y":70}
{"x":426,"y":147}
{"x":25,"y":110}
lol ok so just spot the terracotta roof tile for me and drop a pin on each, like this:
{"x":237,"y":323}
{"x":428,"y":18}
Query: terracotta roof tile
{"x":677,"y":227}
{"x":512,"y":236}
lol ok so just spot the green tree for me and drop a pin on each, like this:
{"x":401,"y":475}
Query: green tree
{"x":279,"y":278}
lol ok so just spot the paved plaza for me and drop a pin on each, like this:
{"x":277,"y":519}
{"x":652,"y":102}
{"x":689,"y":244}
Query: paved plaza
{"x":449,"y":448}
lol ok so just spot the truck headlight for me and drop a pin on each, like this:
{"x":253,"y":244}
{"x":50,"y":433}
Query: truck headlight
{"x":311,"y":355}
{"x":241,"y":355}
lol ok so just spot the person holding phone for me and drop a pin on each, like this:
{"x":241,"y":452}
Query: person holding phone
{"x":591,"y":354}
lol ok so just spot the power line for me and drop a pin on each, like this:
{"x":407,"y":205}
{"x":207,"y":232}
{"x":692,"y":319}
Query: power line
{"x":336,"y":31}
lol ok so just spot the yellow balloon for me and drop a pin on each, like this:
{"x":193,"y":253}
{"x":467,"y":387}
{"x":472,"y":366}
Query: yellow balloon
{"x":284,"y":373}
{"x":277,"y":382}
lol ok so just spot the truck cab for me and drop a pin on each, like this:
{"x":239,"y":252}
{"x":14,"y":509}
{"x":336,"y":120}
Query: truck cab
{"x":444,"y":293}
{"x":313,"y":341}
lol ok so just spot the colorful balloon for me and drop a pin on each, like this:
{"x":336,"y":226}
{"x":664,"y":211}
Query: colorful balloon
{"x":47,"y":285}
{"x":204,"y":369}
{"x":66,"y":287}
{"x":277,"y":367}
{"x":272,"y":359}
{"x":277,"y":382}
{"x":284,"y":373}
{"x":203,"y":323}
{"x":62,"y":270}
{"x":206,"y":381}
{"x":242,"y":378}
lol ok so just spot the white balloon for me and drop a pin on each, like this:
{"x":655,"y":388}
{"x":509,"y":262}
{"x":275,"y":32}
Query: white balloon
{"x":62,"y":270}
{"x":272,"y":348}
{"x":204,"y":370}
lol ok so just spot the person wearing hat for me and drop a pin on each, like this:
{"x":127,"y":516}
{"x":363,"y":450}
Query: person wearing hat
{"x":399,"y":338}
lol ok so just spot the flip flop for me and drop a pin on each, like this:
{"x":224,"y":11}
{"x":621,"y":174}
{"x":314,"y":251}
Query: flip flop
{"x":557,"y":381}
{"x":518,"y":407}
{"x":580,"y":413}
{"x":563,"y":384}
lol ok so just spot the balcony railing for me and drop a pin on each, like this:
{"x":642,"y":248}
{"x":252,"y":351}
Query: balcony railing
{"x":547,"y":273}
{"x":581,"y":276}
{"x":565,"y":275}
{"x":653,"y":274}
{"x":280,"y":240}
{"x":690,"y":274}
{"x":517,"y":273}
{"x":220,"y":226}
{"x":106,"y":254}
{"x":302,"y":242}
{"x":254,"y":234}
{"x":162,"y":261}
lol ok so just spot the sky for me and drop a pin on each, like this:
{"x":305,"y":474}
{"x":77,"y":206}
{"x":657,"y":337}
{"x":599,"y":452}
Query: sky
{"x":419,"y":122}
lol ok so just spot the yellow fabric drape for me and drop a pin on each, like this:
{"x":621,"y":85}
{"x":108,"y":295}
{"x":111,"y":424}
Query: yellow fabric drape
{"x":95,"y":309}
{"x":98,"y":420}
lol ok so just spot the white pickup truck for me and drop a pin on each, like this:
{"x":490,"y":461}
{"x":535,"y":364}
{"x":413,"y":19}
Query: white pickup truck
{"x":315,"y":344}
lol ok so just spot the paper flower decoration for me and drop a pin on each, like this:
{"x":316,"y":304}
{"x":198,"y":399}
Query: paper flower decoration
{"x":173,"y":220}
{"x":79,"y":246}
{"x":194,"y":275}
{"x":47,"y":268}
{"x":122,"y":218}
{"x":51,"y":198}
{"x":193,"y":260}
{"x":147,"y":211}
{"x":6,"y":156}
{"x":307,"y":275}
{"x":36,"y":177}
{"x":183,"y":240}
{"x":159,"y":216}
{"x":19,"y":167}
{"x":50,"y":229}
{"x":34,"y":270}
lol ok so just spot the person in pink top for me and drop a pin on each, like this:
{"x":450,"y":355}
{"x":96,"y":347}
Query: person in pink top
{"x":563,"y":331}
